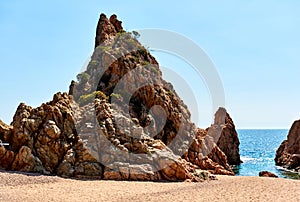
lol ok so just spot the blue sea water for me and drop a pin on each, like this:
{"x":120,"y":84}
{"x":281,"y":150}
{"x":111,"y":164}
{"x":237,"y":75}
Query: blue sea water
{"x":258,"y":150}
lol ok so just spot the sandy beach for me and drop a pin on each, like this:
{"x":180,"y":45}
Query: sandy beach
{"x":26,"y":187}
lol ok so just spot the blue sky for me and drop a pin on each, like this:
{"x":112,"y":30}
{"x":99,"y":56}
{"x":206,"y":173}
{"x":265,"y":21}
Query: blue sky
{"x":254,"y":44}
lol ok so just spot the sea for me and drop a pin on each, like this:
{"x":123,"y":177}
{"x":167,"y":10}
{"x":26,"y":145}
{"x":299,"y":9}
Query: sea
{"x":258,"y":150}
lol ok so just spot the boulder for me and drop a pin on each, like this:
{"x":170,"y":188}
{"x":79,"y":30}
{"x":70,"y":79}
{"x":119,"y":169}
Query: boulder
{"x":25,"y":161}
{"x":267,"y":174}
{"x":6,"y":157}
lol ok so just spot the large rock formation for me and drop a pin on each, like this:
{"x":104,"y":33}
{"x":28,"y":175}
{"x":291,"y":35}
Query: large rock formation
{"x":288,"y":154}
{"x":120,"y":121}
{"x":43,"y":139}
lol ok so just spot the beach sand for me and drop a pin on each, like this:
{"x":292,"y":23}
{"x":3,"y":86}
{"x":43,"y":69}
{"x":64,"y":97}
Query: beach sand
{"x":30,"y":187}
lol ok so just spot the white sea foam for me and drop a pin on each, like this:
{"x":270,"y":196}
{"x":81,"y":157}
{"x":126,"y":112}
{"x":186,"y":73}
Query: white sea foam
{"x":245,"y":159}
{"x":287,"y":170}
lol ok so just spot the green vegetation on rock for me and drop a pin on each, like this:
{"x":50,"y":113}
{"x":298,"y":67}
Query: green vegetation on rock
{"x":104,"y":48}
{"x":116,"y":95}
{"x":83,"y":77}
{"x":92,"y":65}
{"x":89,"y":98}
{"x":170,"y":93}
{"x":145,"y":63}
{"x":142,"y":51}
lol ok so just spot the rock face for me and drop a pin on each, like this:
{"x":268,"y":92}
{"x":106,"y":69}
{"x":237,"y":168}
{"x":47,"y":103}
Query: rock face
{"x":42,"y":139}
{"x":288,"y":154}
{"x":107,"y":29}
{"x":267,"y":174}
{"x":120,"y":121}
{"x":217,"y":147}
{"x":229,"y":142}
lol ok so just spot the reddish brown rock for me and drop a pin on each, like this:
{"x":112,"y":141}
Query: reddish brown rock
{"x":40,"y":140}
{"x":214,"y":146}
{"x":5,"y":131}
{"x":25,"y":161}
{"x":105,"y":30}
{"x":117,"y":23}
{"x":6,"y":157}
{"x":267,"y":174}
{"x":96,"y":132}
{"x":229,"y":142}
{"x":288,"y":154}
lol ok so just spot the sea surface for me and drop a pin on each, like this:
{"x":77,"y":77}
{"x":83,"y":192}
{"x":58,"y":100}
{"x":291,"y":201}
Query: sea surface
{"x":258,"y":150}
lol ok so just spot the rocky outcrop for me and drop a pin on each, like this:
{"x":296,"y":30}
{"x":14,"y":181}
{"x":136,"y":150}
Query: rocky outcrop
{"x":42,"y":139}
{"x":228,"y":142}
{"x":107,"y":29}
{"x":6,"y":156}
{"x":120,"y":121}
{"x":288,"y":154}
{"x":216,"y":148}
{"x":267,"y":174}
{"x":45,"y":140}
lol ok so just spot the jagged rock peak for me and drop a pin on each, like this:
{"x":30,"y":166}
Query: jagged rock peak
{"x":228,"y":142}
{"x":107,"y":28}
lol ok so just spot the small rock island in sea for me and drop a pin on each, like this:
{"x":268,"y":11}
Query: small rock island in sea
{"x":62,"y":138}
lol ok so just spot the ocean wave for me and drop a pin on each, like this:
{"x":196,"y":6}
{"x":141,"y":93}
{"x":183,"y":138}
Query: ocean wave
{"x":252,"y":159}
{"x":245,"y":159}
{"x":287,"y":170}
